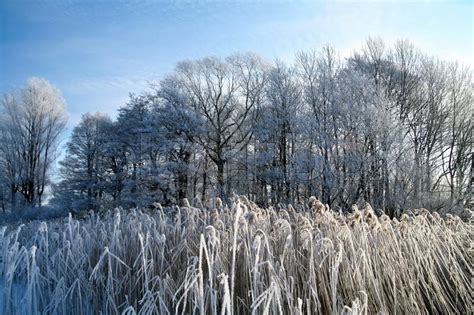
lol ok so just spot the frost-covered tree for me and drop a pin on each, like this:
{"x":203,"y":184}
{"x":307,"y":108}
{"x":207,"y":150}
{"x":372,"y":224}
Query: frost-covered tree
{"x":282,"y":106}
{"x":135,"y":136}
{"x":179,"y":128}
{"x":457,"y":158}
{"x":84,"y":169}
{"x":318,"y":75}
{"x":32,"y":120}
{"x":217,"y":91}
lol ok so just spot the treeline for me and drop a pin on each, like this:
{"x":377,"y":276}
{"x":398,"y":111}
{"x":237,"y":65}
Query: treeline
{"x":388,"y":125}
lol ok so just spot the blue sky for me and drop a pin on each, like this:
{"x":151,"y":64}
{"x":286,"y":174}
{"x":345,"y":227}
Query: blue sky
{"x":97,"y":52}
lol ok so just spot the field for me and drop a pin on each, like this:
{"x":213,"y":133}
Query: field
{"x":238,"y":259}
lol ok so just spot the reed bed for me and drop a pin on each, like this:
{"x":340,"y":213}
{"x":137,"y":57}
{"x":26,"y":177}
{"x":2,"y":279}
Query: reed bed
{"x":238,"y":259}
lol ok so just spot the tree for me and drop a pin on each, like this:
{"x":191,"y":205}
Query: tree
{"x":457,"y":154}
{"x":178,"y":129}
{"x":213,"y":87}
{"x":32,"y":121}
{"x":318,"y":73}
{"x":84,"y":168}
{"x":134,"y":128}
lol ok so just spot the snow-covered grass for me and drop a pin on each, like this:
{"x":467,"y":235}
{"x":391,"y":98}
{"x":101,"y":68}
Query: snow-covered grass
{"x":236,"y":260}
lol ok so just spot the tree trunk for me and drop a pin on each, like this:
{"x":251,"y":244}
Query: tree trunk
{"x":13,"y":196}
{"x":204,"y":180}
{"x":220,"y":179}
{"x":183,"y":177}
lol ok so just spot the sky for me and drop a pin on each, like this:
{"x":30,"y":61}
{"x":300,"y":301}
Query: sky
{"x":97,"y":52}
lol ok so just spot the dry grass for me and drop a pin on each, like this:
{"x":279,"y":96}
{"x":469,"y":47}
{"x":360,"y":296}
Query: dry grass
{"x":237,"y":260}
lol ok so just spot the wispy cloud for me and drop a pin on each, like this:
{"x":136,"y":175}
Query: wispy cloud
{"x":82,"y":86}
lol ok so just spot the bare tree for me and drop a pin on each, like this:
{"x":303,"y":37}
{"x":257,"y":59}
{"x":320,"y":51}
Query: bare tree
{"x":34,"y":119}
{"x":283,"y":96}
{"x":214,"y":89}
{"x":457,"y":153}
{"x":318,"y":72}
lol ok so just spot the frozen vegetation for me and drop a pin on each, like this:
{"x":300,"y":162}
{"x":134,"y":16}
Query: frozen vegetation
{"x":387,"y":126}
{"x":239,"y":259}
{"x":330,"y":182}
